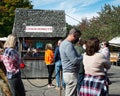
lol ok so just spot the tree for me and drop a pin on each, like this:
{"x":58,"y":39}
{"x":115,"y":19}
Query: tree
{"x":109,"y":20}
{"x":84,"y":24}
{"x":7,"y":14}
{"x":106,"y":26}
{"x":68,"y":27}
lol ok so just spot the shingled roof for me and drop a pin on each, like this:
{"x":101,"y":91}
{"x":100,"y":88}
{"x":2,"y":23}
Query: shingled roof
{"x":31,"y":17}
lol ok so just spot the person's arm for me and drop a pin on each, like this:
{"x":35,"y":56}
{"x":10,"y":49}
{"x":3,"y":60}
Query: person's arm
{"x":72,"y":54}
{"x":52,"y":56}
{"x":106,"y":62}
{"x":56,"y":54}
{"x":46,"y":57}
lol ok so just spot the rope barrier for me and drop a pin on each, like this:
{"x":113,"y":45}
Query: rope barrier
{"x":34,"y":84}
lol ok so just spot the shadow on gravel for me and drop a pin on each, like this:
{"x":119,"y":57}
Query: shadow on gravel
{"x":114,"y":81}
{"x":114,"y":95}
{"x":113,"y":75}
{"x":110,"y":74}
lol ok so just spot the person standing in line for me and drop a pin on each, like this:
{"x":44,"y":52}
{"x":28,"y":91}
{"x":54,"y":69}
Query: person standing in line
{"x":4,"y":82}
{"x":70,"y":62}
{"x":105,"y":50}
{"x":58,"y":66}
{"x":94,"y":83}
{"x":12,"y":62}
{"x":80,"y":50}
{"x":49,"y":60}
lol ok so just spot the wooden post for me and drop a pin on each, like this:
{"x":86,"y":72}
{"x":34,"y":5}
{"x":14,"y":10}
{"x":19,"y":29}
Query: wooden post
{"x":60,"y":94}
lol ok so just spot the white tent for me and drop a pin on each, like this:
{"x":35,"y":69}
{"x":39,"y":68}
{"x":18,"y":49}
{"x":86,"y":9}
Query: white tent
{"x":115,"y":42}
{"x":3,"y":38}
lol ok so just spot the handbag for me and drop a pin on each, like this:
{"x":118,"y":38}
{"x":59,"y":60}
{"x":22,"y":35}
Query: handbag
{"x":22,"y":65}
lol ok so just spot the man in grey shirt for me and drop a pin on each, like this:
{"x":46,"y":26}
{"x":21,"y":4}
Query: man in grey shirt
{"x":70,"y":61}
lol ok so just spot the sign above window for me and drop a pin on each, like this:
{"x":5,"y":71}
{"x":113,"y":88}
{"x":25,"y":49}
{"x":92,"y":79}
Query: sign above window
{"x":44,"y":29}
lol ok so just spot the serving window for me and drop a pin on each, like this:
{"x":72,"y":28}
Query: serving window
{"x":35,"y":48}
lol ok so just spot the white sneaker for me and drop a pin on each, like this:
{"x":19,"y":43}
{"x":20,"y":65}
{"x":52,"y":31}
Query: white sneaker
{"x":51,"y":86}
{"x":48,"y":86}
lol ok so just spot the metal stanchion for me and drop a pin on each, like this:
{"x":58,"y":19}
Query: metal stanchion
{"x":60,"y":92}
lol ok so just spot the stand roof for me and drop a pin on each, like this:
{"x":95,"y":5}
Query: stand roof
{"x":39,"y":18}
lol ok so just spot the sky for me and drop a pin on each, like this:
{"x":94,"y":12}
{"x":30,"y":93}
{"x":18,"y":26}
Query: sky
{"x":75,"y":10}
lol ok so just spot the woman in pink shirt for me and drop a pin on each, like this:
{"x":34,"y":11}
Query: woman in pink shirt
{"x":12,"y":62}
{"x":95,"y":80}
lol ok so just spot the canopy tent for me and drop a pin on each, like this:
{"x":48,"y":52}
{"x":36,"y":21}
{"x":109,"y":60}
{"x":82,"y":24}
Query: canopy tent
{"x":3,"y":38}
{"x":115,"y":42}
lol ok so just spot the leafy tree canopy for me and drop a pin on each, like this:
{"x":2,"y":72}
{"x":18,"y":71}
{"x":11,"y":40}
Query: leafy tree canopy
{"x":106,"y":26}
{"x":7,"y":14}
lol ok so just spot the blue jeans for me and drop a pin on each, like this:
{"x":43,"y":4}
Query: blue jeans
{"x":80,"y":79}
{"x":58,"y":68}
